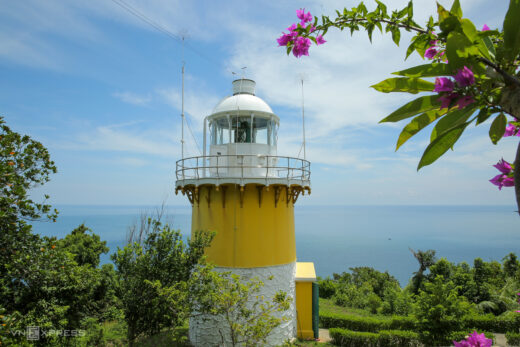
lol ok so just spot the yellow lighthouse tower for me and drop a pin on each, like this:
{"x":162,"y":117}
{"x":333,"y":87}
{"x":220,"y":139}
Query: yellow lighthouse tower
{"x":246,"y":193}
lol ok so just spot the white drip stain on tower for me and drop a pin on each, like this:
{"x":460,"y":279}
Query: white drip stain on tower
{"x":246,"y":193}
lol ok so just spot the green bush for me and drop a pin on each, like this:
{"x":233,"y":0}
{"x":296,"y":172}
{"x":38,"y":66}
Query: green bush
{"x":513,"y":338}
{"x":384,"y":338}
{"x":367,"y":324}
{"x":344,"y":337}
{"x":490,"y":322}
{"x":388,"y":338}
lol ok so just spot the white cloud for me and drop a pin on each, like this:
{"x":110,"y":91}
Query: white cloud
{"x":132,"y":98}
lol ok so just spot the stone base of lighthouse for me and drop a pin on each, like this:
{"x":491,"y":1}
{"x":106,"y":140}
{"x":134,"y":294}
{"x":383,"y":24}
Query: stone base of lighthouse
{"x":209,"y":330}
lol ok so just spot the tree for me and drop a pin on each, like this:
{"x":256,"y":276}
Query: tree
{"x":439,"y":311}
{"x":511,"y":265}
{"x":425,"y":259}
{"x":162,"y":257}
{"x":476,"y":74}
{"x":84,"y":245}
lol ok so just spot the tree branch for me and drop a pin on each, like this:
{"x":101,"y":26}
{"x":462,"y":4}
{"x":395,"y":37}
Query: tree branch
{"x":507,"y":77}
{"x":400,"y":25}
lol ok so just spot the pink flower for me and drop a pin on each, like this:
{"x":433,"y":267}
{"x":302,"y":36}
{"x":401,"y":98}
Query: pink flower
{"x":502,"y":181}
{"x":465,"y":101}
{"x":443,"y":84}
{"x":446,"y":99}
{"x":304,"y":17}
{"x":430,"y":52}
{"x":301,"y":46}
{"x":320,"y":40}
{"x":503,"y":166}
{"x":485,"y":28}
{"x":511,"y":130}
{"x":284,"y":39}
{"x":474,"y":340}
{"x":465,"y":77}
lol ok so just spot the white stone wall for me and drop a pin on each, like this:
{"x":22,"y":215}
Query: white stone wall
{"x":207,"y":332}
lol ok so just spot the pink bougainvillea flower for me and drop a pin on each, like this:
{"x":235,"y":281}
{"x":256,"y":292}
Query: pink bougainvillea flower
{"x":479,"y":340}
{"x":284,"y":39}
{"x":320,"y":40}
{"x":465,"y":77}
{"x":446,"y":99}
{"x":301,"y":46}
{"x":304,"y":17}
{"x":503,"y":166}
{"x":474,"y":340}
{"x":465,"y":101}
{"x":430,"y":52}
{"x":502,"y":181}
{"x":292,"y":28}
{"x":443,"y":84}
{"x":485,"y":28}
{"x":512,"y":130}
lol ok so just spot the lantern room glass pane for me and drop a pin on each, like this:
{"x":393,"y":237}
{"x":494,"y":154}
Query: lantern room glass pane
{"x":241,"y":129}
{"x":260,"y":131}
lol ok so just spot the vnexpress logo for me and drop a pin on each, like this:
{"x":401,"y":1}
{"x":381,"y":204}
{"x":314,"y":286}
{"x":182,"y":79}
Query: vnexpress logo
{"x":32,"y":333}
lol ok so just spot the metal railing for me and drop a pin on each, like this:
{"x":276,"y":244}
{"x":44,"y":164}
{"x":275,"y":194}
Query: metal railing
{"x":243,"y":166}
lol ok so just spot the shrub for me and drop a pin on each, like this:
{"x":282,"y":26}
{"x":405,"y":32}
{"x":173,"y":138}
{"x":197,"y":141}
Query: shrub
{"x":490,"y":322}
{"x":398,"y":338}
{"x":367,"y":324}
{"x":327,"y":288}
{"x":343,"y":337}
{"x":384,"y":338}
{"x":513,"y":338}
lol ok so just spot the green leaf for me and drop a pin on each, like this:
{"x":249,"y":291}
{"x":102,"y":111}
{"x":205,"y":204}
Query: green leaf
{"x":458,"y":47}
{"x":456,"y":10}
{"x":483,"y":115}
{"x":450,"y":121}
{"x":417,"y":124}
{"x":449,"y":24}
{"x":468,"y":28}
{"x":497,"y":129}
{"x":422,"y":104}
{"x":441,"y":145}
{"x":404,"y":84}
{"x":490,"y":46}
{"x":426,"y":70}
{"x":443,"y":14}
{"x":512,"y":30}
{"x":396,"y":35}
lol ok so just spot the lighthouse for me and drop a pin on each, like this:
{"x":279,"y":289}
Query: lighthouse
{"x":244,"y":191}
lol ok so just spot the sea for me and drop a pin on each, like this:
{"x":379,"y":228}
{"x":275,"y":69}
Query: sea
{"x":337,"y":238}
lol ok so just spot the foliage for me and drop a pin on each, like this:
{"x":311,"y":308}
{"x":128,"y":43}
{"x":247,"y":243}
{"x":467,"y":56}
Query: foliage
{"x":384,"y":338}
{"x":327,"y":287}
{"x":513,"y":338}
{"x":84,"y":245}
{"x":425,"y":259}
{"x":439,"y":311}
{"x":249,"y":317}
{"x":483,"y":64}
{"x":367,"y":324}
{"x":162,"y":257}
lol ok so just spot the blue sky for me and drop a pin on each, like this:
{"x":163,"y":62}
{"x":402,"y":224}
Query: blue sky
{"x":101,"y":89}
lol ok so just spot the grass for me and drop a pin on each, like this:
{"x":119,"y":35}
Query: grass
{"x":327,"y":305}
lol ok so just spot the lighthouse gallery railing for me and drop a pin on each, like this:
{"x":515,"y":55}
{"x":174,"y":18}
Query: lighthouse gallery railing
{"x":243,"y":166}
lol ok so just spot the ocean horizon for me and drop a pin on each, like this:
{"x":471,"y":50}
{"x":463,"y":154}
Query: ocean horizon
{"x":337,"y":238}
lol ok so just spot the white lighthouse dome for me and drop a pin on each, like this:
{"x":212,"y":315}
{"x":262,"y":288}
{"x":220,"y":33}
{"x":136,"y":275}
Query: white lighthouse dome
{"x":243,"y":99}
